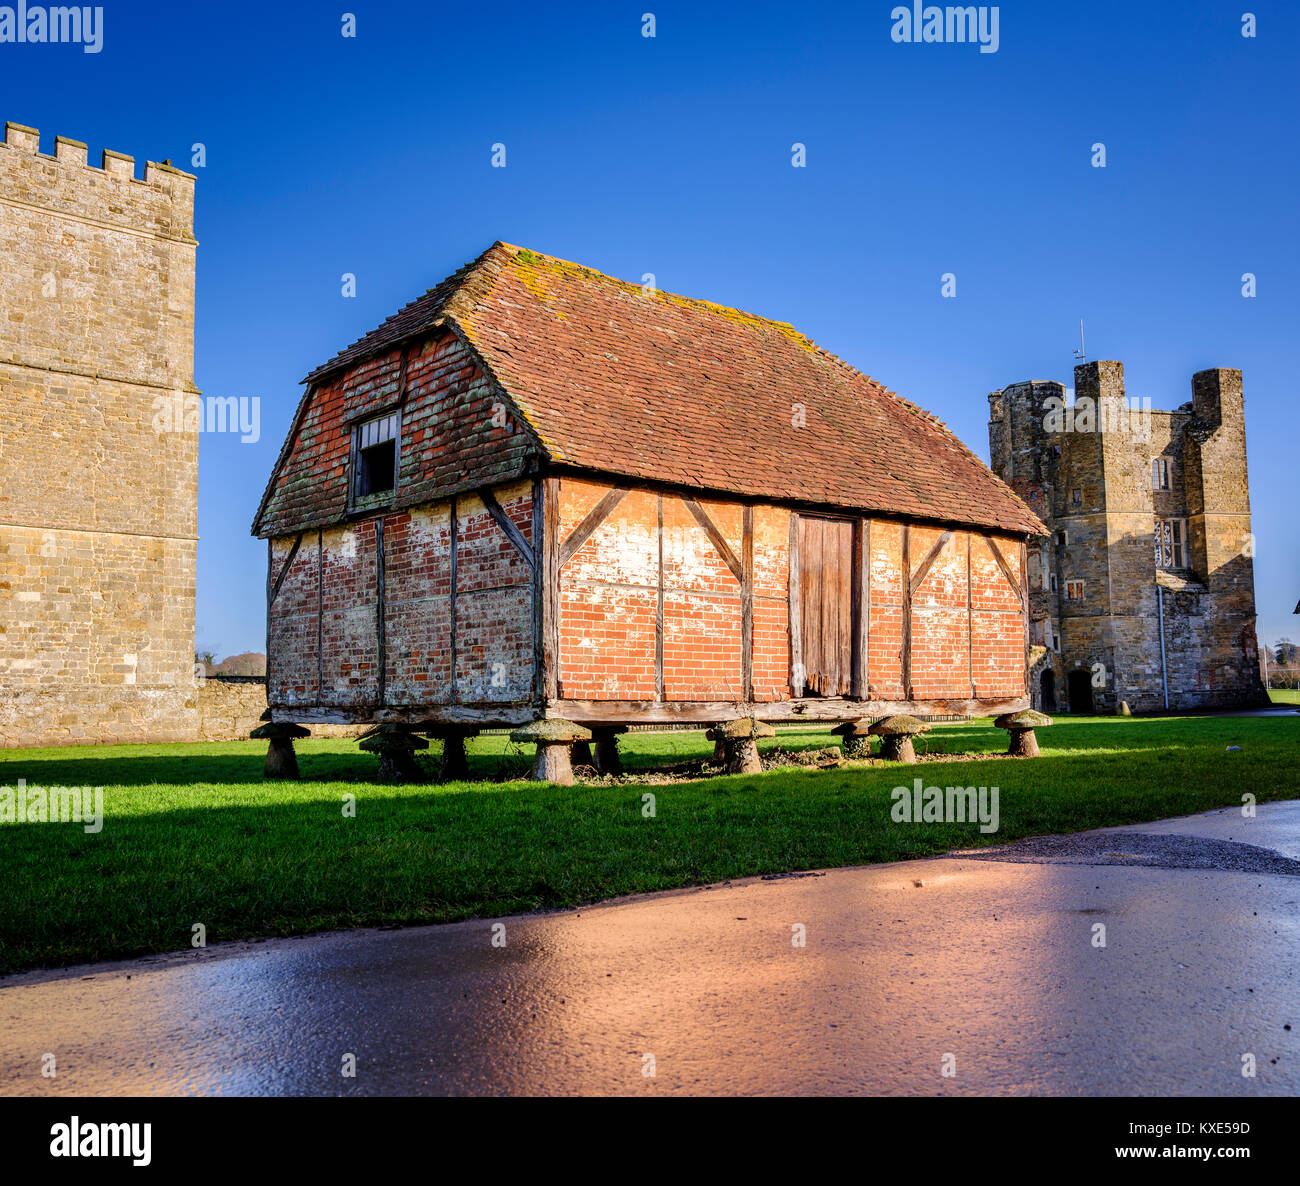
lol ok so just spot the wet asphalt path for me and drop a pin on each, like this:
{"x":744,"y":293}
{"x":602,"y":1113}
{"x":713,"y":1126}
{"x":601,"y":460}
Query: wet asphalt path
{"x":990,"y":961}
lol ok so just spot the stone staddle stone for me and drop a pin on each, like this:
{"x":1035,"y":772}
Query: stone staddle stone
{"x":740,"y":741}
{"x":454,"y":766}
{"x":554,"y":739}
{"x":608,"y":759}
{"x":855,"y":738}
{"x":396,"y":749}
{"x":281,"y":760}
{"x":1021,"y":725}
{"x":896,"y":735}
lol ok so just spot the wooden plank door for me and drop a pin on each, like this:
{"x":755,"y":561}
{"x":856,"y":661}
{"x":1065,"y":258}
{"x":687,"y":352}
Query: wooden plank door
{"x":826,"y":605}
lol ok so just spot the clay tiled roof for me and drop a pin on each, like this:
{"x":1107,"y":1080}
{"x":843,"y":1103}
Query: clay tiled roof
{"x":664,"y":388}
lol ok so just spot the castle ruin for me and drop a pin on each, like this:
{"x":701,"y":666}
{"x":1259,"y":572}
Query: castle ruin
{"x":1144,"y":592}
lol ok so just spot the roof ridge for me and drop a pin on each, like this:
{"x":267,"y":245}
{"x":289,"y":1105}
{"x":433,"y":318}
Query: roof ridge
{"x":456,"y":286}
{"x":661,"y":293}
{"x":450,"y":285}
{"x":613,"y":376}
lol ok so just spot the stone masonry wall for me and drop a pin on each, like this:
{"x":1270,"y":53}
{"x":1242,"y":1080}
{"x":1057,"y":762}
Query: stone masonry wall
{"x":98,"y":512}
{"x":229,"y":708}
{"x":1092,"y":484}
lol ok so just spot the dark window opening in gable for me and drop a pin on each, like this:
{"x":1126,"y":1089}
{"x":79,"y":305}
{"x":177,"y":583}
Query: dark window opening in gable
{"x":375,"y":456}
{"x":376,"y":468}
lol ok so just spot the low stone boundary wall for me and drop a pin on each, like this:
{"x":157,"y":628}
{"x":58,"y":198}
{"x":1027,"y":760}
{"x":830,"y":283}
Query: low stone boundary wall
{"x":231,"y":706}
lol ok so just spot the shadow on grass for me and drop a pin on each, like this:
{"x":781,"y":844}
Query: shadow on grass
{"x":283,"y":858}
{"x":231,"y":768}
{"x":493,"y":759}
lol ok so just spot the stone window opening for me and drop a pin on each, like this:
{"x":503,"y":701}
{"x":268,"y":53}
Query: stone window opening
{"x":1076,"y":497}
{"x":375,"y":457}
{"x":1160,"y":473}
{"x":1074,"y":590}
{"x":1171,"y":543}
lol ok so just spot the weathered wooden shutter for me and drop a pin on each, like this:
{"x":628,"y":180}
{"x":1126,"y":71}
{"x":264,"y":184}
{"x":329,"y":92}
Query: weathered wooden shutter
{"x":826,"y":604}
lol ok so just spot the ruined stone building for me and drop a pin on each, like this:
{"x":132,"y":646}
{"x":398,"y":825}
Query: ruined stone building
{"x":541,"y":492}
{"x":1144,"y":590}
{"x":97,"y":510}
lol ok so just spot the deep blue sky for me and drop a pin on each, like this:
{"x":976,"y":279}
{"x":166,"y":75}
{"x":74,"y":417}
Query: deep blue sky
{"x":672,"y":155}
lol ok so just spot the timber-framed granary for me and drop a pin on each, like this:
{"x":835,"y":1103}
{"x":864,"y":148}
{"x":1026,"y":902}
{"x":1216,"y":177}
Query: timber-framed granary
{"x":538,"y":492}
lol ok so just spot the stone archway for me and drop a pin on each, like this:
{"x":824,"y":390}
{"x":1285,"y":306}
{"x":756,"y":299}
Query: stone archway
{"x":1079,"y":690}
{"x":1047,"y":690}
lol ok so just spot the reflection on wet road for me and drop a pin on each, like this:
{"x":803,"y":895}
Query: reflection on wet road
{"x":993,"y":963}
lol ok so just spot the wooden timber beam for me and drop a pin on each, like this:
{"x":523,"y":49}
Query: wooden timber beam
{"x":970,"y":622}
{"x":284,"y":572}
{"x":595,"y":517}
{"x":1024,"y":604}
{"x":381,"y":662}
{"x":747,"y":601}
{"x":861,"y":615}
{"x":402,"y":367}
{"x":923,"y":569}
{"x":551,"y":552}
{"x":646,"y":712}
{"x":507,"y":525}
{"x":720,"y":545}
{"x":270,"y":568}
{"x":320,"y":613}
{"x":1006,"y":569}
{"x":539,"y":591}
{"x":907,"y":612}
{"x":795,"y":617}
{"x":659,"y":604}
{"x":451,"y":593}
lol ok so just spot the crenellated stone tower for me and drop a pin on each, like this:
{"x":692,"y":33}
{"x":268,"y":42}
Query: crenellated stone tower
{"x":1144,"y":591}
{"x":98,"y":512}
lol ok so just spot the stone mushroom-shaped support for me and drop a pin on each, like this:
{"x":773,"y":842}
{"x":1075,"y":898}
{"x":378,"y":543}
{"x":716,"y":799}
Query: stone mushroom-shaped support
{"x":1021,"y":726}
{"x":896,"y":735}
{"x":281,"y":761}
{"x":554,"y":740}
{"x":740,"y":739}
{"x":396,"y":749}
{"x":454,"y":766}
{"x":605,"y":739}
{"x":855,"y":738}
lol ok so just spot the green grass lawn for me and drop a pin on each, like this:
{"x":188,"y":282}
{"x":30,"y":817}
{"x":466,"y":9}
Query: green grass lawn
{"x":1285,"y":695}
{"x":192,"y":834}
